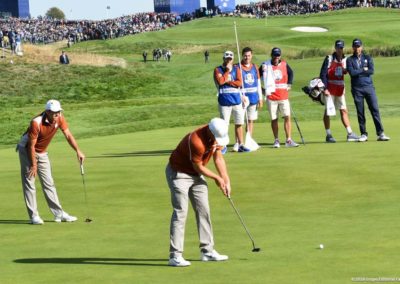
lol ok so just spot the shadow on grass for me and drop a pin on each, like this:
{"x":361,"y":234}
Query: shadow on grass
{"x":15,"y":222}
{"x":95,"y":261}
{"x":168,"y":152}
{"x":134,"y":154}
{"x":269,"y":145}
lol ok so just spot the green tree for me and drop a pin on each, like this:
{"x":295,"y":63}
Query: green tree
{"x":55,"y":13}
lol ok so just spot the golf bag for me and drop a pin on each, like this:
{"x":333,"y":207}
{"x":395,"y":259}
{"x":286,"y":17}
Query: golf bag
{"x":314,"y":90}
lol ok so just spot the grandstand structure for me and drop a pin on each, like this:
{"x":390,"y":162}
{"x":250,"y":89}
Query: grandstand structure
{"x":14,"y":8}
{"x":225,"y":6}
{"x":176,"y":6}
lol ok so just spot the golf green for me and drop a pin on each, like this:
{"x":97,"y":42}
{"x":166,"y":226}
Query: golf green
{"x":128,"y":120}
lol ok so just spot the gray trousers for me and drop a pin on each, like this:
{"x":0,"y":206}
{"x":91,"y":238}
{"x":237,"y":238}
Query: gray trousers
{"x":184,"y":187}
{"x":46,"y":180}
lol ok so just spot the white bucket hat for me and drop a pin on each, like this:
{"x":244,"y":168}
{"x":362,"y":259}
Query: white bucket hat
{"x":219,"y":128}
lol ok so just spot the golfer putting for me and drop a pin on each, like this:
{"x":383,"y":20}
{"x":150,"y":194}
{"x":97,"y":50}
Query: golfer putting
{"x":185,"y":173}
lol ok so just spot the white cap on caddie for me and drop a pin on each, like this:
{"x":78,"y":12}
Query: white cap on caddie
{"x":219,"y":128}
{"x":53,"y":105}
{"x":228,"y":54}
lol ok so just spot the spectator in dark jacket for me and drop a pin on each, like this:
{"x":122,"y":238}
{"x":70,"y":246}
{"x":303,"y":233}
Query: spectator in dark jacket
{"x":64,"y":58}
{"x":361,"y":67}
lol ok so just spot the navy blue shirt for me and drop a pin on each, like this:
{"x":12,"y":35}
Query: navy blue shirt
{"x":359,"y":77}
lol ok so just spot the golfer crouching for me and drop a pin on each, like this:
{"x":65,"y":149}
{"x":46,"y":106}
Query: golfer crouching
{"x":185,"y":176}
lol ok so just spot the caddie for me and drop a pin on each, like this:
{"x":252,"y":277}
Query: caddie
{"x":228,"y":80}
{"x":332,"y":74}
{"x":278,"y":77}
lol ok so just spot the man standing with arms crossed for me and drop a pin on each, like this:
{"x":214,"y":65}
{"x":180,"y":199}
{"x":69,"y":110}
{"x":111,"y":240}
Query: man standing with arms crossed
{"x":34,"y":161}
{"x":228,"y":81}
{"x":185,"y":176}
{"x":252,"y":86}
{"x":278,"y":77}
{"x":361,"y":67}
{"x":332,"y":75}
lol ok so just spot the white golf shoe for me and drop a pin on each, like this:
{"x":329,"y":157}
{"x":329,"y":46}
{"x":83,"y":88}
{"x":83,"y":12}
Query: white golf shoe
{"x":352,"y":137}
{"x":290,"y":144}
{"x":178,"y":261}
{"x":363,"y":138}
{"x":236,"y":147}
{"x":65,"y":217}
{"x":277,"y":144}
{"x":37,"y":221}
{"x":212,"y":256}
{"x":383,"y":137}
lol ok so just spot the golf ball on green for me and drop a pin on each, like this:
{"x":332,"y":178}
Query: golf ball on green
{"x":321,"y":246}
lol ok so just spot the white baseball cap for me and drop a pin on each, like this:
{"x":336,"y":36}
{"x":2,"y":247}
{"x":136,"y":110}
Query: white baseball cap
{"x":219,"y":128}
{"x":53,"y":105}
{"x":228,"y":54}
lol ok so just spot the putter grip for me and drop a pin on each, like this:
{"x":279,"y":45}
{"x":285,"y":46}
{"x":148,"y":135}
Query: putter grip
{"x":82,"y":171}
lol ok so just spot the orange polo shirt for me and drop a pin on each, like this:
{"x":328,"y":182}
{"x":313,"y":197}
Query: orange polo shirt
{"x":197,"y":146}
{"x":42,"y":130}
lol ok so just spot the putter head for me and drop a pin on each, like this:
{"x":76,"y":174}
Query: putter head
{"x":88,"y":220}
{"x":256,"y":249}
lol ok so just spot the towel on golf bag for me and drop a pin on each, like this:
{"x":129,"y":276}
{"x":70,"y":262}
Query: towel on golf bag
{"x":314,"y":90}
{"x":250,"y":143}
{"x":330,"y":106}
{"x":245,"y":100}
{"x":268,"y":78}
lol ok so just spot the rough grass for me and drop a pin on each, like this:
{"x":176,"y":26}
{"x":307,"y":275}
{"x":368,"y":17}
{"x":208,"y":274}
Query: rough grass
{"x":49,"y":54}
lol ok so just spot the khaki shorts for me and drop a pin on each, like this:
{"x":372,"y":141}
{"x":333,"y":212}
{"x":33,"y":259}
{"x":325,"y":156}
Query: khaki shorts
{"x":276,"y":107}
{"x":338,"y":101}
{"x":252,"y":112}
{"x":238,"y":113}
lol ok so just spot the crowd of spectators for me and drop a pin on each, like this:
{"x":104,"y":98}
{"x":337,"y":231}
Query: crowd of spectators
{"x":287,"y":7}
{"x":44,"y":31}
{"x":284,"y":8}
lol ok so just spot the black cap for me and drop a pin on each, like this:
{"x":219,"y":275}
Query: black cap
{"x":276,"y":51}
{"x":339,"y":43}
{"x":357,"y":42}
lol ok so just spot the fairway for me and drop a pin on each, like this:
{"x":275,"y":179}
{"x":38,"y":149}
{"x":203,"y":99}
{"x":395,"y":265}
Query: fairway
{"x":127,"y":121}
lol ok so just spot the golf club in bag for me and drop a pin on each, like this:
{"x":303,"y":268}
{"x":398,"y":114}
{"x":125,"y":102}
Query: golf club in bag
{"x":255,"y":249}
{"x":87,"y":220}
{"x":297,"y":125}
{"x":249,"y":141}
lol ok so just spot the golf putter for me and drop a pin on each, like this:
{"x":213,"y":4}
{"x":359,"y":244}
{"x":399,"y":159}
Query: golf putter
{"x":297,"y":125}
{"x":255,"y":249}
{"x":87,"y":220}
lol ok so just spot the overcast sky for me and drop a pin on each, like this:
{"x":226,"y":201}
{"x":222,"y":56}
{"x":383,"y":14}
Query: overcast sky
{"x":97,"y":9}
